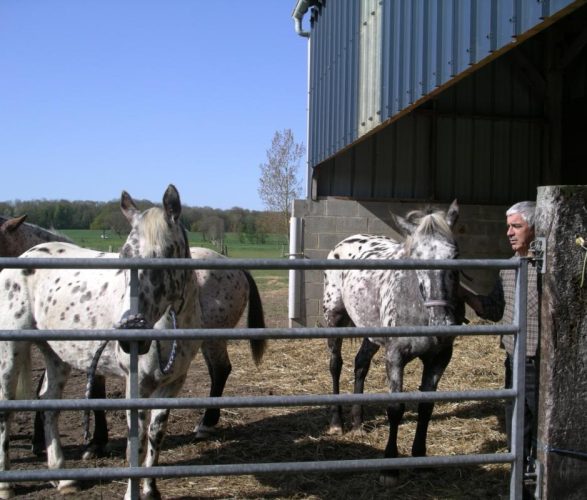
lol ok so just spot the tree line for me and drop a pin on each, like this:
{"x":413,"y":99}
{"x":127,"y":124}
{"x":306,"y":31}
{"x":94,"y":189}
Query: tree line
{"x":253,"y":226}
{"x":279,"y":185}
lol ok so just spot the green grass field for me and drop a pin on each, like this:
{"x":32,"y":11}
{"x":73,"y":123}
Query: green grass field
{"x":275,"y":247}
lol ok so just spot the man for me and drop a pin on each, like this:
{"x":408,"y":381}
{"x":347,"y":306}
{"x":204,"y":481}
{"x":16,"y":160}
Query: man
{"x":499,"y":305}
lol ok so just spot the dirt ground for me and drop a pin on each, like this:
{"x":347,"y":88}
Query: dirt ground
{"x":290,"y":434}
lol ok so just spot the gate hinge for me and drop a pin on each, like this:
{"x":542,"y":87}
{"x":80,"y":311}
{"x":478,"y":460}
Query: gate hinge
{"x":538,"y":249}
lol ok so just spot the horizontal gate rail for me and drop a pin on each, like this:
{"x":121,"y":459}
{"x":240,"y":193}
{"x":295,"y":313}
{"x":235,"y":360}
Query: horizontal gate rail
{"x":133,"y":472}
{"x":256,"y":333}
{"x":301,"y":264}
{"x":255,"y":401}
{"x":359,"y":465}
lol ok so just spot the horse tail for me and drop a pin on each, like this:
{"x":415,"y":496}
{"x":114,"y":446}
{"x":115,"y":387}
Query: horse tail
{"x":24,"y":383}
{"x":256,"y":319}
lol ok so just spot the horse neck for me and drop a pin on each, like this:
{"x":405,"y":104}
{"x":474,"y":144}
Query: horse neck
{"x":189,"y":311}
{"x":40,"y":235}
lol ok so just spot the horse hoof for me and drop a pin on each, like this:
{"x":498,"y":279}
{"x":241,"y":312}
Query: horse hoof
{"x":95,"y":451}
{"x":68,"y":488}
{"x":334,"y":430}
{"x":204,"y":432}
{"x":38,"y":450}
{"x":91,"y":453}
{"x":6,"y":493}
{"x":151,"y":495}
{"x":389,"y":480}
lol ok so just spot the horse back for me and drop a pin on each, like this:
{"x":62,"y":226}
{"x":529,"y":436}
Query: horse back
{"x":223,"y":292}
{"x":378,"y":297}
{"x":61,"y":298}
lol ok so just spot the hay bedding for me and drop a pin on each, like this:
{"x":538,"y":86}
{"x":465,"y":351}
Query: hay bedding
{"x":288,"y":434}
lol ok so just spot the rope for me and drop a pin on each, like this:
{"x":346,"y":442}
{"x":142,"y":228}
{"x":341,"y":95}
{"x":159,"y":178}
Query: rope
{"x":579,"y":455}
{"x":581,"y":242}
{"x":166,"y":369}
{"x":89,"y":384}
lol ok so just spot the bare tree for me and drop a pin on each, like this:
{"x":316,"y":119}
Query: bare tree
{"x":279,"y":184}
{"x":212,"y":228}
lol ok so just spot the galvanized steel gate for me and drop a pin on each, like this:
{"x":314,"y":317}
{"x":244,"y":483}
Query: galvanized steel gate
{"x":134,"y":471}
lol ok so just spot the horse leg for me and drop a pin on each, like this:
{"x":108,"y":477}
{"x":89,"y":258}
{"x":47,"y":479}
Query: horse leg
{"x":336,"y":420}
{"x":362,"y":365}
{"x":433,"y":369}
{"x":157,"y":430}
{"x":97,"y":445}
{"x":38,"y":440}
{"x":219,"y":367}
{"x":15,"y":364}
{"x":56,"y":374}
{"x":395,"y":413}
{"x":336,"y":316}
{"x":142,"y":417}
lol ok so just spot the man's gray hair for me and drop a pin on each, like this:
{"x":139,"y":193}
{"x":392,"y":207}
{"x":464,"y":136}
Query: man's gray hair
{"x":526,"y":209}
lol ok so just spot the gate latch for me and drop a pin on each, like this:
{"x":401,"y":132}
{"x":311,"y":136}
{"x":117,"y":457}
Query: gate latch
{"x":538,"y":249}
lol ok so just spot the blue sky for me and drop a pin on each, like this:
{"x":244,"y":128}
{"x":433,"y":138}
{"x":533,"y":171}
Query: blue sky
{"x":97,"y":96}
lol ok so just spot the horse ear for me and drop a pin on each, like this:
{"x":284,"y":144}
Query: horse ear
{"x":404,"y":225}
{"x":128,"y":207}
{"x":13,"y":224}
{"x":172,"y":203}
{"x":453,"y":214}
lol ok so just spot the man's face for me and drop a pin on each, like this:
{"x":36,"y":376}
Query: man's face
{"x":520,"y":234}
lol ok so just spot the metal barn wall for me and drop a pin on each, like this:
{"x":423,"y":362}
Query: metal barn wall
{"x":487,"y":137}
{"x":483,"y":140}
{"x":370,"y":60}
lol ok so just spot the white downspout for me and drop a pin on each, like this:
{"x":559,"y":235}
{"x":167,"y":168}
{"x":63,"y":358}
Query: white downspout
{"x":298,"y":14}
{"x":295,"y":252}
{"x":296,"y":223}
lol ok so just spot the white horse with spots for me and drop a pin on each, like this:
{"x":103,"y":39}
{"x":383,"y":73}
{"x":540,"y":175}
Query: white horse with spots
{"x":375,"y":298}
{"x":87,"y":299}
{"x":224,"y":296}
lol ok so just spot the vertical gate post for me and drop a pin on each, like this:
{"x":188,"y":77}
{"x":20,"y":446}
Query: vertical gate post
{"x":561,"y":215}
{"x":133,"y":390}
{"x":518,"y":378}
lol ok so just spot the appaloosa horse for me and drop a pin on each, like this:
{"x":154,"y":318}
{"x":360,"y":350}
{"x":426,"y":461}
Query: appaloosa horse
{"x":224,"y":295}
{"x":375,"y":298}
{"x":99,"y":298}
{"x":17,"y":236}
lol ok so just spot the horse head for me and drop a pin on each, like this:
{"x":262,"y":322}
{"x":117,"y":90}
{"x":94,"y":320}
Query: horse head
{"x":8,"y":235}
{"x":429,"y":235}
{"x":156,"y":233}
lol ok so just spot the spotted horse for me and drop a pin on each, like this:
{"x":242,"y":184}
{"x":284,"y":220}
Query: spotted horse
{"x":224,"y":295}
{"x":401,"y":297}
{"x":97,"y":299}
{"x":17,"y":236}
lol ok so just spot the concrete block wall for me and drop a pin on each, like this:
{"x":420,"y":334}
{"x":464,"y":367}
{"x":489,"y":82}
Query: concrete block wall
{"x":480,"y":230}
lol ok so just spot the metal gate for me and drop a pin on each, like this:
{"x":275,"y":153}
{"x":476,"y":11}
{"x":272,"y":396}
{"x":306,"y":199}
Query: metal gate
{"x":135,"y":472}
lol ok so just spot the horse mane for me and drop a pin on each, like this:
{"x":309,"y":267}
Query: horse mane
{"x":429,"y":223}
{"x":156,"y":232}
{"x":43,"y":233}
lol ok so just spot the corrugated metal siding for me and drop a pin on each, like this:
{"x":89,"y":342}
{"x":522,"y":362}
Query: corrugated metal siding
{"x":369,"y":66}
{"x":421,"y":45}
{"x":483,"y":141}
{"x":334,"y":58}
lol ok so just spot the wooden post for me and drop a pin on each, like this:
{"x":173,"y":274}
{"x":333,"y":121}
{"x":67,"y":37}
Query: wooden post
{"x":561,"y":214}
